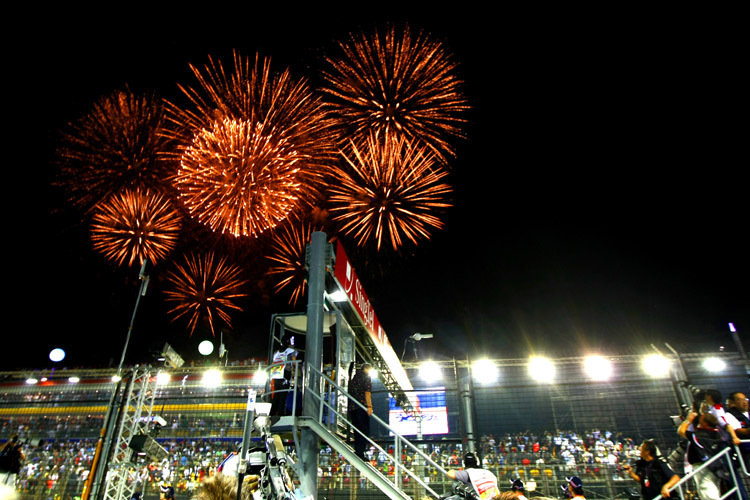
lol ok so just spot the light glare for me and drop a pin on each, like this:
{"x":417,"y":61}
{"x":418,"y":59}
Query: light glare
{"x":714,"y":364}
{"x":430,"y":371}
{"x":212,"y":378}
{"x":656,"y":365}
{"x":484,"y":371}
{"x":162,"y":378}
{"x":541,"y":369}
{"x":597,"y":367}
{"x":56,"y":355}
{"x":206,"y":347}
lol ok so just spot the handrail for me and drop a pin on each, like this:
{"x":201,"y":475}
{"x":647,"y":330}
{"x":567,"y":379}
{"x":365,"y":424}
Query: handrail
{"x":398,"y":437}
{"x":689,"y":476}
{"x":741,"y":458}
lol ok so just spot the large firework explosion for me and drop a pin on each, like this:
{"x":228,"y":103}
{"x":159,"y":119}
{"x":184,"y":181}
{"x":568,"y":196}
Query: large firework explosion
{"x":117,"y":145}
{"x":288,"y":256}
{"x":252,"y":147}
{"x":204,"y":286}
{"x":390,"y":190}
{"x":399,"y":85}
{"x":135,"y":225}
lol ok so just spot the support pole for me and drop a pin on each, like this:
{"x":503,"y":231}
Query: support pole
{"x":465,"y":394}
{"x":310,"y":444}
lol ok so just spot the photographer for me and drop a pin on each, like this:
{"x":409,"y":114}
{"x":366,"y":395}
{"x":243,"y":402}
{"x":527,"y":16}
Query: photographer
{"x":704,"y":442}
{"x":11,"y":457}
{"x":652,"y":472}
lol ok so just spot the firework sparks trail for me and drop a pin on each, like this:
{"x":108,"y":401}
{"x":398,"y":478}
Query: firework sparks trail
{"x":135,"y":225}
{"x":288,"y":255}
{"x":390,"y":191}
{"x":400,"y":85}
{"x":205,"y":287}
{"x":117,"y":145}
{"x":252,"y":147}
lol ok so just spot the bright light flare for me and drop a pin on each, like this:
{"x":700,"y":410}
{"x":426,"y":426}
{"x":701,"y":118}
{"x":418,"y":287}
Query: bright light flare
{"x":542,"y":369}
{"x":714,"y":365}
{"x":485,"y":371}
{"x":212,"y":379}
{"x":163,"y":378}
{"x":429,"y":371}
{"x":597,"y":368}
{"x":74,"y":380}
{"x":260,"y":378}
{"x":32,"y":381}
{"x":56,"y":355}
{"x":206,"y":347}
{"x":656,"y":365}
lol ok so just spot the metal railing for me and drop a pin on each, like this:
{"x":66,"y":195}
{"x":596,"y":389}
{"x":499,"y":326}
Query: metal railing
{"x":724,"y":455}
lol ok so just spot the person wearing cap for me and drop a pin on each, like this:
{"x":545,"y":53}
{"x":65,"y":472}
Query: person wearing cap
{"x":652,"y":472}
{"x":482,"y":481}
{"x":573,"y":488}
{"x":166,"y":491}
{"x":518,"y":489}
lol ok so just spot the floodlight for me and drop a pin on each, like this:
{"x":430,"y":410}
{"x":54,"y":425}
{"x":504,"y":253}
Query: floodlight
{"x":656,"y":365}
{"x":484,"y":371}
{"x":541,"y":369}
{"x":597,"y":367}
{"x":429,"y":371}
{"x":206,"y":347}
{"x":74,"y":380}
{"x":212,"y":378}
{"x":116,"y":378}
{"x":260,"y":377}
{"x":162,"y":378}
{"x":338,"y":296}
{"x":714,"y":364}
{"x":56,"y":355}
{"x":373,"y":374}
{"x":31,"y":381}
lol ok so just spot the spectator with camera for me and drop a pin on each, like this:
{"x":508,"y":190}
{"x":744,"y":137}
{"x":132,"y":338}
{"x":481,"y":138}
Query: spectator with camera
{"x":704,"y":441}
{"x":652,"y":472}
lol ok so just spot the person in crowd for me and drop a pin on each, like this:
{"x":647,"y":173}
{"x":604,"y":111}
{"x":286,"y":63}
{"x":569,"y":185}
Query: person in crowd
{"x":703,"y":442}
{"x":224,"y":487}
{"x":573,"y":488}
{"x":652,"y":472}
{"x":360,"y":389}
{"x":483,"y":482}
{"x":281,"y":375}
{"x":737,"y":405}
{"x":518,"y":489}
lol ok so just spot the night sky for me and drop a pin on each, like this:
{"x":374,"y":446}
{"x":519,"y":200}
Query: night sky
{"x":600,"y":200}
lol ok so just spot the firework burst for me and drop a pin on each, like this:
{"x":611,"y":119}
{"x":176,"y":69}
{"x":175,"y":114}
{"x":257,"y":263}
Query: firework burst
{"x":390,"y":191}
{"x":117,"y":145}
{"x":135,"y":225}
{"x":288,"y":254}
{"x":205,"y":286}
{"x":252,"y":147}
{"x":399,"y":85}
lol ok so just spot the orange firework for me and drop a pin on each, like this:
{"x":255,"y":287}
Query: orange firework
{"x":205,"y":287}
{"x":400,"y":85}
{"x":251,"y":149}
{"x":117,"y":145}
{"x":391,"y":190}
{"x":135,"y":225}
{"x":288,"y":255}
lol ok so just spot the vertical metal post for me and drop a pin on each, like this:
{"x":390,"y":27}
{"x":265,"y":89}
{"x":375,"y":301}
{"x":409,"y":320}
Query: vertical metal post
{"x":310,"y":443}
{"x":466,"y":396}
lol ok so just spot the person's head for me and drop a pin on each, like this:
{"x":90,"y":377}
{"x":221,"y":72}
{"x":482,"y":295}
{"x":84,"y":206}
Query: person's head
{"x":649,"y":450}
{"x":366,"y":367}
{"x":224,"y":487}
{"x":471,"y":461}
{"x":573,"y":486}
{"x":708,"y":421}
{"x":517,"y":487}
{"x":713,"y":396}
{"x":738,"y":400}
